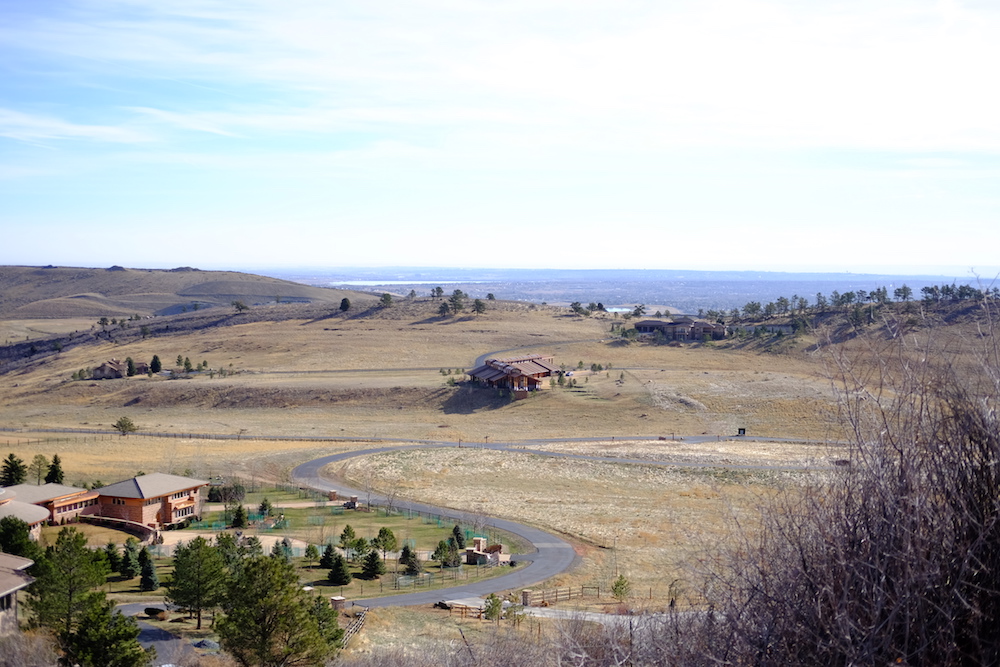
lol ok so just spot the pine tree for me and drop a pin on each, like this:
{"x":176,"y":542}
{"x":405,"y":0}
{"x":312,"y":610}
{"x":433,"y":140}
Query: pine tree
{"x":339,"y":575}
{"x":55,"y":474}
{"x":113,"y":556}
{"x":13,"y":471}
{"x":64,"y":580}
{"x":155,"y":366}
{"x":459,"y":536}
{"x":106,"y":637}
{"x":373,"y":566}
{"x":409,"y":561}
{"x":130,"y":568}
{"x":199,"y":579}
{"x":327,"y":560}
{"x":149,"y":581}
{"x":240,"y":517}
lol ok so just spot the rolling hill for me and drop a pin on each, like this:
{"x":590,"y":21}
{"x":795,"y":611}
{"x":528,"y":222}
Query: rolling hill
{"x":66,"y":292}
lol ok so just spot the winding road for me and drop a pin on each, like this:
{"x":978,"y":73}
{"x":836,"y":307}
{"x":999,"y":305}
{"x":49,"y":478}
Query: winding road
{"x":552,"y":554}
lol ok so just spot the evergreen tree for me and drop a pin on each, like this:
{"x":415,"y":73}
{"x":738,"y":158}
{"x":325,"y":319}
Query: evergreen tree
{"x":107,"y":638}
{"x":240,"y":517}
{"x":149,"y":579}
{"x":13,"y":471}
{"x":269,"y":619}
{"x":459,"y":536}
{"x":199,"y":579}
{"x":129,"y":367}
{"x":55,"y":474}
{"x":385,"y":541}
{"x":359,"y":548}
{"x":155,"y":366}
{"x":326,"y":619}
{"x":265,"y":508}
{"x":15,"y":539}
{"x":339,"y":574}
{"x":130,"y":568}
{"x":64,"y":580}
{"x":373,"y":566}
{"x":345,"y":304}
{"x":113,"y":556}
{"x":327,"y":560}
{"x":409,"y":561}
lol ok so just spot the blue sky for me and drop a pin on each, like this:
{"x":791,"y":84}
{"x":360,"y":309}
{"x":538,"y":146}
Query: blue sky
{"x":769,"y":135}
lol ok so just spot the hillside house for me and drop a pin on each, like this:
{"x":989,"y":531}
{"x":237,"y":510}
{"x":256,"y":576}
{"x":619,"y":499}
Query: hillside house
{"x":64,"y":503}
{"x":683,"y":328}
{"x":12,"y":579}
{"x":519,"y":374}
{"x":156,"y":500}
{"x":116,"y":368}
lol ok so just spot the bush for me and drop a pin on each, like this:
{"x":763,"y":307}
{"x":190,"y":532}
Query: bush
{"x":896,"y":557}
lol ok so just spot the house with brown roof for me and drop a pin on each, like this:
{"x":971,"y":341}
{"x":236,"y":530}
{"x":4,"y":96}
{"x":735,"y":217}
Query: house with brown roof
{"x":683,"y":328}
{"x":519,"y":374}
{"x":113,"y":368}
{"x":64,"y":503}
{"x":12,"y":579}
{"x":156,"y":500}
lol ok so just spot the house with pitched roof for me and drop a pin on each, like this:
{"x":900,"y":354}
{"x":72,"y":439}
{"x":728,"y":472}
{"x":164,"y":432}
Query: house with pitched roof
{"x":12,"y":579}
{"x":64,"y":503}
{"x":519,"y":374}
{"x":156,"y":500}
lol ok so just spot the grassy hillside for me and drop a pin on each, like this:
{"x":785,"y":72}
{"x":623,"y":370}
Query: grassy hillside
{"x":62,"y":292}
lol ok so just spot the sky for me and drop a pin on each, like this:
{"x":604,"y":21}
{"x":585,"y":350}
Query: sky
{"x":773,"y":135}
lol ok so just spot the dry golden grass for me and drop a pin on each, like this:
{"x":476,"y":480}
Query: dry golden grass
{"x":662,"y":519}
{"x":379,"y":377}
{"x":367,"y":378}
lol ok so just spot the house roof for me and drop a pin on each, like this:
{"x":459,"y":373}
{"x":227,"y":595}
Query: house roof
{"x":532,"y":364}
{"x":29,"y":493}
{"x":26,"y":512}
{"x":152,"y":485}
{"x":12,"y":576}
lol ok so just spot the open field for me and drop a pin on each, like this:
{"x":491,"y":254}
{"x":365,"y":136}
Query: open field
{"x":655,"y":524}
{"x":365,"y":378}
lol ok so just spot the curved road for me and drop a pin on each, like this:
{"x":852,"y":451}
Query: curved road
{"x":552,"y":554}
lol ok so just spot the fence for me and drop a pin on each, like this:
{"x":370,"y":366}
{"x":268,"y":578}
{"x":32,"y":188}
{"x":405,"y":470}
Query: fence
{"x":354,"y":627}
{"x":531,"y":598}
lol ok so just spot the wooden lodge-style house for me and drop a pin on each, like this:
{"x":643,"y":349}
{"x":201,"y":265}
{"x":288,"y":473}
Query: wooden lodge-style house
{"x":683,"y":328}
{"x":518,"y":374}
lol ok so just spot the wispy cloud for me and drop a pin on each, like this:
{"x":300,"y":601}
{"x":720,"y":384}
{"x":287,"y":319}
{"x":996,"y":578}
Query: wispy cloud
{"x":39,"y":128}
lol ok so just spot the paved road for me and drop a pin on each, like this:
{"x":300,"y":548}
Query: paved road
{"x":552,"y":554}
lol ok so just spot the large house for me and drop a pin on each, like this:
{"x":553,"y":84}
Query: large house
{"x":683,"y":328}
{"x":153,"y":501}
{"x":156,"y":500}
{"x":116,"y":368}
{"x":64,"y":503}
{"x":12,"y":579}
{"x":519,"y":374}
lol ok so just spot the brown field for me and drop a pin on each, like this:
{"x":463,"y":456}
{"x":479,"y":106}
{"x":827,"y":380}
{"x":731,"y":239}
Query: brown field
{"x":379,"y":377}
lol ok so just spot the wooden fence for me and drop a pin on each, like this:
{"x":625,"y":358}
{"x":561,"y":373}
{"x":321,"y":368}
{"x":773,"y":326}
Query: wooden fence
{"x":531,"y":598}
{"x":354,"y":627}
